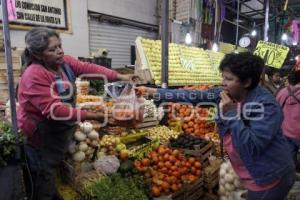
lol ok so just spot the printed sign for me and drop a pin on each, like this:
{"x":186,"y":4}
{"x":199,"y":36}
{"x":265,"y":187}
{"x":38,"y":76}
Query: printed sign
{"x":53,"y":14}
{"x":273,"y":54}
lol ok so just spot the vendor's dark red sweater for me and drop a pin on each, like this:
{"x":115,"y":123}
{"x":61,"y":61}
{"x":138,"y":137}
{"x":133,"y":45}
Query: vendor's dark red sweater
{"x":36,"y":100}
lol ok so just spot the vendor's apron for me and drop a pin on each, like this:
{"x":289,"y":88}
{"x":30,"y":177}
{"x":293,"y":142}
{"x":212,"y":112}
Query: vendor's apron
{"x":55,"y":137}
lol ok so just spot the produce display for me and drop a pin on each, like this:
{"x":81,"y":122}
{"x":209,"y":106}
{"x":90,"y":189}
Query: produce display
{"x":195,"y":120}
{"x":185,"y":141}
{"x":162,"y":133}
{"x":186,"y":64}
{"x":229,"y":181}
{"x":168,"y":170}
{"x":151,"y":111}
{"x":147,"y":168}
{"x":139,"y":152}
{"x":229,"y":48}
{"x":115,"y":187}
{"x":85,"y":144}
{"x":82,"y":87}
{"x":88,"y":98}
{"x":108,"y":144}
{"x":216,"y":58}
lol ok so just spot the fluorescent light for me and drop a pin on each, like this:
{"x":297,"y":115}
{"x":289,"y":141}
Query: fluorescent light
{"x":215,"y":47}
{"x":295,"y":43}
{"x":284,"y":37}
{"x":253,"y":33}
{"x":188,"y":38}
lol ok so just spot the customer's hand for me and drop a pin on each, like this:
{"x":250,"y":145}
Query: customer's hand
{"x":145,"y":91}
{"x":226,"y":104}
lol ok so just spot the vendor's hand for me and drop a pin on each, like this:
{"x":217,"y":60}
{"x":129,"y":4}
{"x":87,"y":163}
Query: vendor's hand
{"x":226,"y":104}
{"x":145,"y":91}
{"x":128,"y":77}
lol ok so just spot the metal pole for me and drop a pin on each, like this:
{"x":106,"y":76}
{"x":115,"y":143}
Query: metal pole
{"x":216,"y":21}
{"x":237,"y":24}
{"x":9,"y":66}
{"x":165,"y":43}
{"x":266,"y":21}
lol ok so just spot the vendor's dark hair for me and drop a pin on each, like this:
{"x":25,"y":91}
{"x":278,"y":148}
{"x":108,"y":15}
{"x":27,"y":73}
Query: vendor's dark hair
{"x":36,"y":40}
{"x":294,"y":77}
{"x":245,"y":66}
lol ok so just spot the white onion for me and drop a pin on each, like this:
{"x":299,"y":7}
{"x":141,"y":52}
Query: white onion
{"x":93,"y":135}
{"x":79,"y":156}
{"x":79,"y":136}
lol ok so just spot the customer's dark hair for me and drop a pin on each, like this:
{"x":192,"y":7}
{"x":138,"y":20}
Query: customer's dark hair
{"x":245,"y":66}
{"x":294,"y":77}
{"x":271,"y":71}
{"x":36,"y":40}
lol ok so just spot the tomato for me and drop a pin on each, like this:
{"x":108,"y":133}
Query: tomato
{"x":161,"y":149}
{"x":174,"y":168}
{"x":153,"y":154}
{"x":164,"y":170}
{"x":174,"y":187}
{"x":176,"y":174}
{"x":175,"y":152}
{"x":192,"y":178}
{"x":160,"y":164}
{"x":146,"y":162}
{"x":168,"y":164}
{"x":155,"y":191}
{"x":188,"y":165}
{"x":197,"y":164}
{"x":172,"y":159}
{"x":155,"y":159}
{"x":165,"y":185}
{"x":178,"y":163}
{"x":166,"y":157}
{"x":192,"y":160}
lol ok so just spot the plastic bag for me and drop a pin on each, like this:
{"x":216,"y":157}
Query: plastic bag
{"x":128,"y":110}
{"x":107,"y":164}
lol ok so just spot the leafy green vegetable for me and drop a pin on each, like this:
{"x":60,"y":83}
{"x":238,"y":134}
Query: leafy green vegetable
{"x":97,"y":87}
{"x":116,"y":187}
{"x":8,"y":143}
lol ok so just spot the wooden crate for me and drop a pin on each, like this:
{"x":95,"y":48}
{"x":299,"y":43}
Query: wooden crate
{"x":211,"y":175}
{"x":211,"y":180}
{"x":148,"y":123}
{"x":210,"y":196}
{"x":202,"y":153}
{"x":69,"y":172}
{"x":190,"y":191}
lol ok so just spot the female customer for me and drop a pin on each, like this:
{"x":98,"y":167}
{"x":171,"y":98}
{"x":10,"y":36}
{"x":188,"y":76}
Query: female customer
{"x":46,"y":114}
{"x":289,"y":100}
{"x":249,"y":122}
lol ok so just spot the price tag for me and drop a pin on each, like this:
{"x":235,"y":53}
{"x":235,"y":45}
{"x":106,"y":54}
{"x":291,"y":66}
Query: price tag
{"x":187,"y":63}
{"x":273,"y":54}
